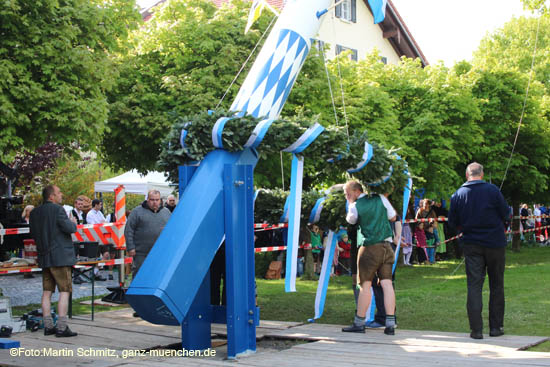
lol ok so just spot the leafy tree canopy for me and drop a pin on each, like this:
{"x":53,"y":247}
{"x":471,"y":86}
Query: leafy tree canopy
{"x":55,"y":69}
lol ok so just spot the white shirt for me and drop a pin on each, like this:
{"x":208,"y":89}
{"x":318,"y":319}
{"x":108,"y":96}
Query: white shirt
{"x":353,"y":216}
{"x":94,"y":217}
{"x":538,"y":213}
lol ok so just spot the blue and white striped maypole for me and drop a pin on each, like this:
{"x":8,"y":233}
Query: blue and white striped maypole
{"x":265,"y":91}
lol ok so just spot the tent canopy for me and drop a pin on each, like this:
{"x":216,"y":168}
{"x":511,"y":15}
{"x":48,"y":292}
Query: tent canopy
{"x":134,"y":183}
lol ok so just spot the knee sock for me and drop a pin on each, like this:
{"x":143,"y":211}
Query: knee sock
{"x":390,"y":320}
{"x":359,"y":321}
{"x":62,"y":323}
{"x":48,"y":321}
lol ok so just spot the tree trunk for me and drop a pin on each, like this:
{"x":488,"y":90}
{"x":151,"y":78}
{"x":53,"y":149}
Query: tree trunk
{"x":516,"y":237}
{"x":308,"y":266}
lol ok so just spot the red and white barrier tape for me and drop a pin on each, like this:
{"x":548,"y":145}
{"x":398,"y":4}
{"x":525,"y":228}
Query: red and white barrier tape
{"x":426,"y":220}
{"x":268,"y":227}
{"x":533,"y":216}
{"x":127,"y":260}
{"x":24,"y":230}
{"x":278,"y":248}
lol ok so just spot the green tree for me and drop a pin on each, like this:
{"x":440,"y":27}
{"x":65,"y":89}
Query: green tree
{"x":185,"y":58}
{"x":437,"y":121}
{"x":56,"y":68}
{"x":512,"y":48}
{"x":541,"y":5}
{"x":501,"y":96}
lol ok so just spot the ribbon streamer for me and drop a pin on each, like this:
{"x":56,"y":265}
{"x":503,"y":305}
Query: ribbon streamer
{"x":406,"y":198}
{"x":324,"y":278}
{"x":315,"y":214}
{"x":294,"y":211}
{"x":367,"y":156}
{"x":258,"y":134}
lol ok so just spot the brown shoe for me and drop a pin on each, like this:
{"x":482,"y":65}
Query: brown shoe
{"x":65,"y":333}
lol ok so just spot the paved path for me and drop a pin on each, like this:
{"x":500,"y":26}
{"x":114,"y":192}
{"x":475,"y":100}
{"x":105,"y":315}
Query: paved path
{"x":23,"y":291}
{"x":117,"y":339}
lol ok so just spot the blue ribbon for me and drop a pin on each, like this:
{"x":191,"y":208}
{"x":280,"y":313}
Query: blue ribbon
{"x":383,"y":179}
{"x":316,"y":211}
{"x":284,"y":217}
{"x":258,"y":134}
{"x":324,"y":278}
{"x":367,"y":156}
{"x":294,"y":210}
{"x":306,"y":139}
{"x":406,"y":198}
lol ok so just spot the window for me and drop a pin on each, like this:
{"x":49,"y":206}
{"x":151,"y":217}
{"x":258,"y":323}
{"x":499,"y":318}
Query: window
{"x":347,"y":10}
{"x":352,"y":55}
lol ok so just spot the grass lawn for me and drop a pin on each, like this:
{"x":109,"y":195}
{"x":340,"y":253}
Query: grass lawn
{"x":429,"y":297}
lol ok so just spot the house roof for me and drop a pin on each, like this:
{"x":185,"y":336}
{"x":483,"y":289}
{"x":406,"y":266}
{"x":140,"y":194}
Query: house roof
{"x":396,"y":32}
{"x":393,"y":28}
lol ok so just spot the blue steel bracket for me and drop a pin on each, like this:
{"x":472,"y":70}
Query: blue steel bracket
{"x":219,"y":315}
{"x":239,"y":247}
{"x":196,"y":326}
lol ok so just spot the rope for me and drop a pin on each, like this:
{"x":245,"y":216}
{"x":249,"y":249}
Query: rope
{"x":329,"y":84}
{"x":524,"y":104}
{"x":340,"y":77}
{"x":246,"y":61}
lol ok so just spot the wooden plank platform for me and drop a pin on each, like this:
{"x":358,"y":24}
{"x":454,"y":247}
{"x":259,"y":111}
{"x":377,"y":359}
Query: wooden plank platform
{"x":110,"y":340}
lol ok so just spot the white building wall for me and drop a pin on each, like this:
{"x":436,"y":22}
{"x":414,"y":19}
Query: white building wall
{"x":363,"y":36}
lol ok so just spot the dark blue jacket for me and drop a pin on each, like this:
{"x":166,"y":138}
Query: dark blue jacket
{"x":479,"y":210}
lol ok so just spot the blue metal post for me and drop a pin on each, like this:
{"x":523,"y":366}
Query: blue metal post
{"x":239,"y":252}
{"x":196,"y":326}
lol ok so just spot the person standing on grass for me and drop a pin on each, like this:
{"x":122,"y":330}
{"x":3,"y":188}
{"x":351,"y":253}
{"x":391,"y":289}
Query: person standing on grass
{"x":51,"y":230}
{"x":375,"y":255}
{"x":479,"y":211}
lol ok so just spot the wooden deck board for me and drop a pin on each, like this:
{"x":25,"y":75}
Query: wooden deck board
{"x":120,"y":332}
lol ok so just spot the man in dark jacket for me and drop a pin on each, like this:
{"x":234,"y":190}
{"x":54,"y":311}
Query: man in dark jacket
{"x":51,"y":230}
{"x":144,"y":226}
{"x":479,"y":211}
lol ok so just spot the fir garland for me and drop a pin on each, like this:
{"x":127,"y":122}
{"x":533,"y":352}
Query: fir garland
{"x":333,"y":143}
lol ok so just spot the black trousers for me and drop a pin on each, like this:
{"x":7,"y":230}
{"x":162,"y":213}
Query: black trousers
{"x":479,"y":261}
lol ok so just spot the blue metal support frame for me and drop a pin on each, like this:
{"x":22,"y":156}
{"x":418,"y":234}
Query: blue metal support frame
{"x":239,"y":250}
{"x":196,"y":326}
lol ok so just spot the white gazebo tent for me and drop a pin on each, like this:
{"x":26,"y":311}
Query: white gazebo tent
{"x":135,"y":183}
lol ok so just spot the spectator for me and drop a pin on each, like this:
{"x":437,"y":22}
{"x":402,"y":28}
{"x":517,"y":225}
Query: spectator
{"x":316,"y":246}
{"x":345,"y":254}
{"x":95,"y":216}
{"x":26,"y":213}
{"x":538,"y":223}
{"x":171,"y":203}
{"x":144,"y":225}
{"x":479,"y":210}
{"x":51,"y":230}
{"x":406,"y":244}
{"x":77,"y":212}
{"x":421,"y":244}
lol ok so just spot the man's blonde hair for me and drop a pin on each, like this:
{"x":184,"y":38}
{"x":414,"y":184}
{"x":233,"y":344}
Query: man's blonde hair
{"x":354,"y":185}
